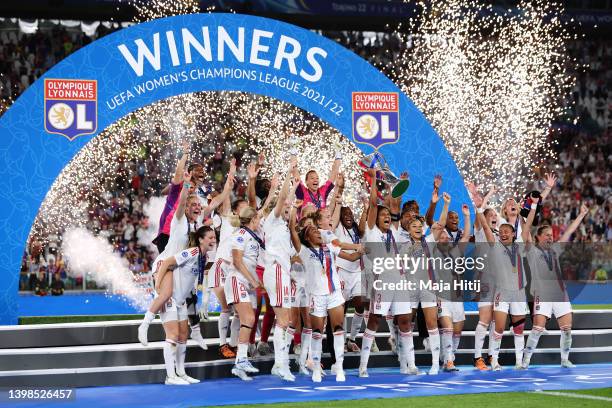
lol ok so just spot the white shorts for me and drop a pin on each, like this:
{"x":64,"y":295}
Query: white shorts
{"x":368,"y":278}
{"x":454,"y":310}
{"x":217,"y":274}
{"x":424,"y":297}
{"x":487,"y":291}
{"x":549,"y":308}
{"x":320,"y":304}
{"x":299,"y":298}
{"x":384,"y":307}
{"x":277,"y":283}
{"x":173,"y":312}
{"x":511,"y":301}
{"x":239,"y":290}
{"x":350,"y":283}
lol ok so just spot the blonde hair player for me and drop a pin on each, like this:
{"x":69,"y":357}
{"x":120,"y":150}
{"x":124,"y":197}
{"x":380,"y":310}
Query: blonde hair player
{"x":242,"y":282}
{"x":189,"y":268}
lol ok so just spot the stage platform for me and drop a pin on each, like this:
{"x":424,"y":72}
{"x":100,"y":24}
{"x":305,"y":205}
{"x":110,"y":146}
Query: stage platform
{"x":108,"y":353}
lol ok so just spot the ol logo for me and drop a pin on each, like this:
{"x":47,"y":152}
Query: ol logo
{"x":375,"y":118}
{"x":71,"y":107}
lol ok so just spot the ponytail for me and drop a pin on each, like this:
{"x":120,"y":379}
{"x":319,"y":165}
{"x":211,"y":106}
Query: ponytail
{"x":245,"y":217}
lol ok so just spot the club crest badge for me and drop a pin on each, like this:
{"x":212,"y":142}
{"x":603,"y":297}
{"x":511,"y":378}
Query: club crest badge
{"x":375,"y":118}
{"x":71,"y":107}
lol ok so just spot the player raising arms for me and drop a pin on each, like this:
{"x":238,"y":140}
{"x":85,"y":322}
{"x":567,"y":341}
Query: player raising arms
{"x":242,"y":282}
{"x":451,"y":313}
{"x":276,"y":276}
{"x":510,"y":281}
{"x":188,"y":269}
{"x":547,"y":284}
{"x":323,"y":286}
{"x":382,"y":242}
{"x":184,"y":221}
{"x":311,"y":193}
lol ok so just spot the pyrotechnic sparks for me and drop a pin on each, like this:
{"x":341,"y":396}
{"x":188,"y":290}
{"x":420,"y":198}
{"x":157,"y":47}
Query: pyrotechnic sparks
{"x":490,"y":84}
{"x":151,"y":9}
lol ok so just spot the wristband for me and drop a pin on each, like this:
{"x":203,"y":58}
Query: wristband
{"x":338,"y":155}
{"x":187,"y":185}
{"x":480,"y":210}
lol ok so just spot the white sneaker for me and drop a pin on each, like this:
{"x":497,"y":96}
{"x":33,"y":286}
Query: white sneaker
{"x":189,"y":379}
{"x":334,"y":368}
{"x":340,"y":377}
{"x":316,"y":376}
{"x":197,"y":336}
{"x":525,"y":363}
{"x":413,"y":370}
{"x":275,"y":370}
{"x":495,"y":366}
{"x":363,"y":372}
{"x":240,"y":373}
{"x":143,"y":330}
{"x":287,"y":375}
{"x":434,"y":370}
{"x":304,"y":370}
{"x":567,"y":364}
{"x":246,"y":366}
{"x":392,"y":344}
{"x":176,"y":381}
{"x":426,"y":344}
{"x":519,"y":366}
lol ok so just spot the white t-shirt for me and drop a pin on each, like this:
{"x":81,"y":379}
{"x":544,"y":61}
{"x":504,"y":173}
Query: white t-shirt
{"x":185,"y":274}
{"x":546,"y":275}
{"x":224,"y":249}
{"x":402,"y":235}
{"x":349,"y":236}
{"x":328,"y":236}
{"x":245,"y":242}
{"x":180,"y":229}
{"x":321,"y":278}
{"x":298,"y":274}
{"x":504,"y":274}
{"x":278,"y":241}
{"x":421,"y":252}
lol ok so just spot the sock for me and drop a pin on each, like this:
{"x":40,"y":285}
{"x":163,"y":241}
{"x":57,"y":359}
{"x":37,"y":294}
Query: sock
{"x":519,"y":342}
{"x":566,"y":341}
{"x":434,"y":343}
{"x":181,"y":351}
{"x":290,"y":333}
{"x":366,"y":346}
{"x":266,"y":325}
{"x":532,"y":343}
{"x":280,"y":344}
{"x":389,"y":320}
{"x":456,"y":340}
{"x":316,"y":346}
{"x":491,"y":335}
{"x":495,"y":345}
{"x":447,"y":345}
{"x":297,"y":337}
{"x":355,"y":325}
{"x":366,"y":316}
{"x":407,"y":349}
{"x":479,"y":338}
{"x":234,"y":331}
{"x":339,"y":347}
{"x":170,"y":357}
{"x":306,"y":342}
{"x":242,"y":351}
{"x":148,"y":317}
{"x":223,"y":325}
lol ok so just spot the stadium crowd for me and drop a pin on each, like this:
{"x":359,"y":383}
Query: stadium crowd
{"x":582,"y":143}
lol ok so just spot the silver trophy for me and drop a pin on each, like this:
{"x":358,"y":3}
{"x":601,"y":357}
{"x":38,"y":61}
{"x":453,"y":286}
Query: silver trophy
{"x":292,"y":144}
{"x":377,"y":161}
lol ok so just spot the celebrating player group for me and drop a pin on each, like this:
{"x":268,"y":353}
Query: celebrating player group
{"x":292,"y":245}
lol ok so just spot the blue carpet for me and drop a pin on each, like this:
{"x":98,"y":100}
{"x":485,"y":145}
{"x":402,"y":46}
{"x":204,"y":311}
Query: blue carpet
{"x":383,"y":383}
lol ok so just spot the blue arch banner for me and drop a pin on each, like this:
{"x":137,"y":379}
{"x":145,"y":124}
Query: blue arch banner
{"x":137,"y":66}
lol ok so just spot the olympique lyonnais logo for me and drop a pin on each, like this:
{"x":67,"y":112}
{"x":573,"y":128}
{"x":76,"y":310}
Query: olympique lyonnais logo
{"x":71,"y":107}
{"x":375,"y":118}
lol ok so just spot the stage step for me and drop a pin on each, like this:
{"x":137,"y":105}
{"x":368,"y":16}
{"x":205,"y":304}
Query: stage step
{"x":155,"y":373}
{"x":134,"y":354}
{"x":125,"y":331}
